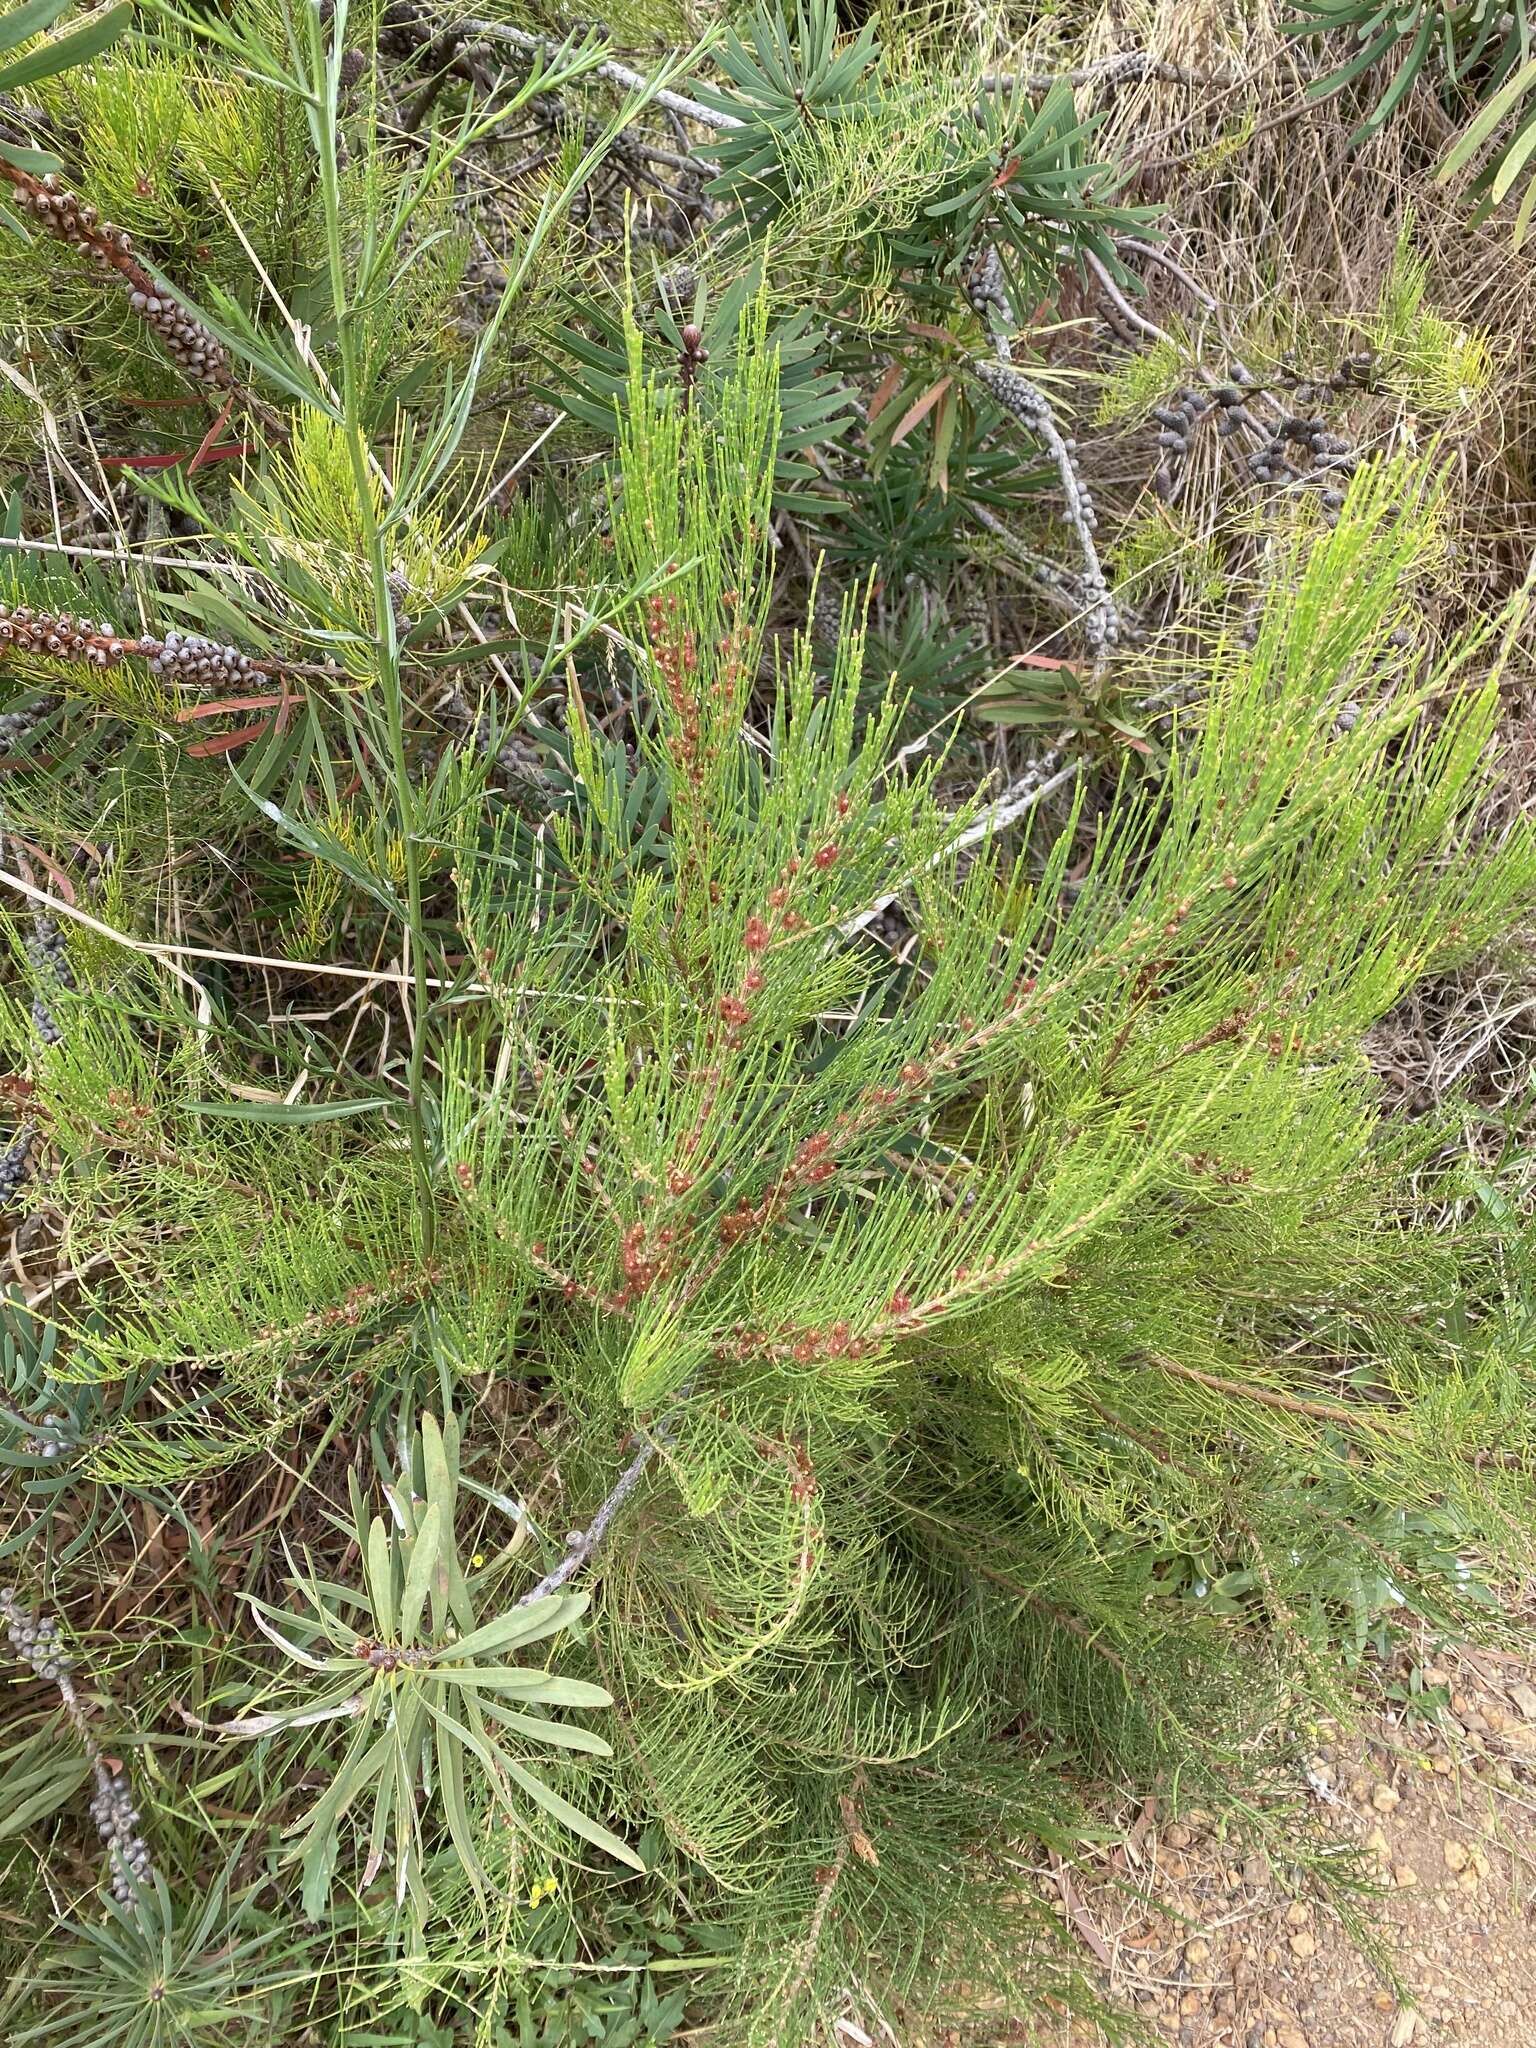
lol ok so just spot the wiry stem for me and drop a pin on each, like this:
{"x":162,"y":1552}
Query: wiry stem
{"x":386,"y":617}
{"x":1138,"y":322}
{"x":806,"y":1958}
{"x":1040,"y":779}
{"x":616,"y":74}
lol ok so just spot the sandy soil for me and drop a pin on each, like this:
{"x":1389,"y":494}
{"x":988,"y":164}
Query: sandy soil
{"x":1211,"y":1952}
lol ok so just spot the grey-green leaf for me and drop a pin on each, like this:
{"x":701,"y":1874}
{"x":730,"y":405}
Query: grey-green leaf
{"x":318,"y":1854}
{"x":518,"y":1625}
{"x":40,"y":1793}
{"x":78,"y":47}
{"x":540,"y":1686}
{"x":30,"y":19}
{"x":425,"y":1551}
{"x":553,"y":1734}
{"x":381,"y":1577}
{"x":1488,"y":118}
{"x":450,"y":1777}
{"x":572,"y":1817}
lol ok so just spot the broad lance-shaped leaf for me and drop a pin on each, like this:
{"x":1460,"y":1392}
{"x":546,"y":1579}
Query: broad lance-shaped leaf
{"x":425,"y":1552}
{"x":403,"y":1505}
{"x":572,"y":1817}
{"x":360,"y":1515}
{"x":259,"y":1613}
{"x":78,"y":47}
{"x":519,"y":1625}
{"x":1481,"y":127}
{"x":1523,"y":214}
{"x":408,"y":1831}
{"x":1407,"y":72}
{"x":317,"y":1852}
{"x":30,"y":19}
{"x":268,"y":1724}
{"x":378,"y":1829}
{"x":292,"y":1112}
{"x":460,"y":1606}
{"x":434,"y":1458}
{"x":540,"y":1686}
{"x":380,"y":1566}
{"x":478,"y":1739}
{"x":41,"y":1792}
{"x":450,"y":1780}
{"x":1518,"y":155}
{"x":438,"y":1460}
{"x":554,"y":1734}
{"x":332,"y":1589}
{"x":39,"y":161}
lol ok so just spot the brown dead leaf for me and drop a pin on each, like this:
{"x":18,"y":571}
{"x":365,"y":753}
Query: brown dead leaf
{"x":920,"y":409}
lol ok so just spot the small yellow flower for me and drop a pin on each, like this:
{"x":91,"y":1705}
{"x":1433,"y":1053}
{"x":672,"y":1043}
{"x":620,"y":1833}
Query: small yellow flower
{"x":545,"y":1888}
{"x":478,"y":1559}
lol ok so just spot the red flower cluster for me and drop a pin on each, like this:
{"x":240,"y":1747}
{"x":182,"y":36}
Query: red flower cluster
{"x":677,"y":659}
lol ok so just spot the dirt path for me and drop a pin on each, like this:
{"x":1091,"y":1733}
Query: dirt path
{"x":1213,"y":1954}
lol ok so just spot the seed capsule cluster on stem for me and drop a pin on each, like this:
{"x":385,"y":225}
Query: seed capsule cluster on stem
{"x":184,"y":657}
{"x":34,"y":1639}
{"x":70,"y":219}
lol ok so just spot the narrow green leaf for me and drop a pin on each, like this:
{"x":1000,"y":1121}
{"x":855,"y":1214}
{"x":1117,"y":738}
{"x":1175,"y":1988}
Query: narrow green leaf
{"x":1331,"y":81}
{"x":318,"y":1850}
{"x":1407,"y":72}
{"x":359,"y":1509}
{"x":38,"y":161}
{"x":435,"y":1464}
{"x":531,"y":1685}
{"x":553,"y":1734}
{"x":378,"y":1831}
{"x":60,"y":1781}
{"x":292,"y":1112}
{"x":380,"y":1565}
{"x":460,"y":1606}
{"x":259,"y":1614}
{"x":1523,"y":216}
{"x":518,"y":1625}
{"x":450,"y":1779}
{"x":1515,"y":161}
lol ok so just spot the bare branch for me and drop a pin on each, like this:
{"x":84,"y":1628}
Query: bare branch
{"x":616,"y":74}
{"x":581,"y":1543}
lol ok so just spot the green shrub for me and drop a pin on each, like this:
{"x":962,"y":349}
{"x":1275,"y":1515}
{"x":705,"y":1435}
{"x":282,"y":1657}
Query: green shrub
{"x":897,"y":1319}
